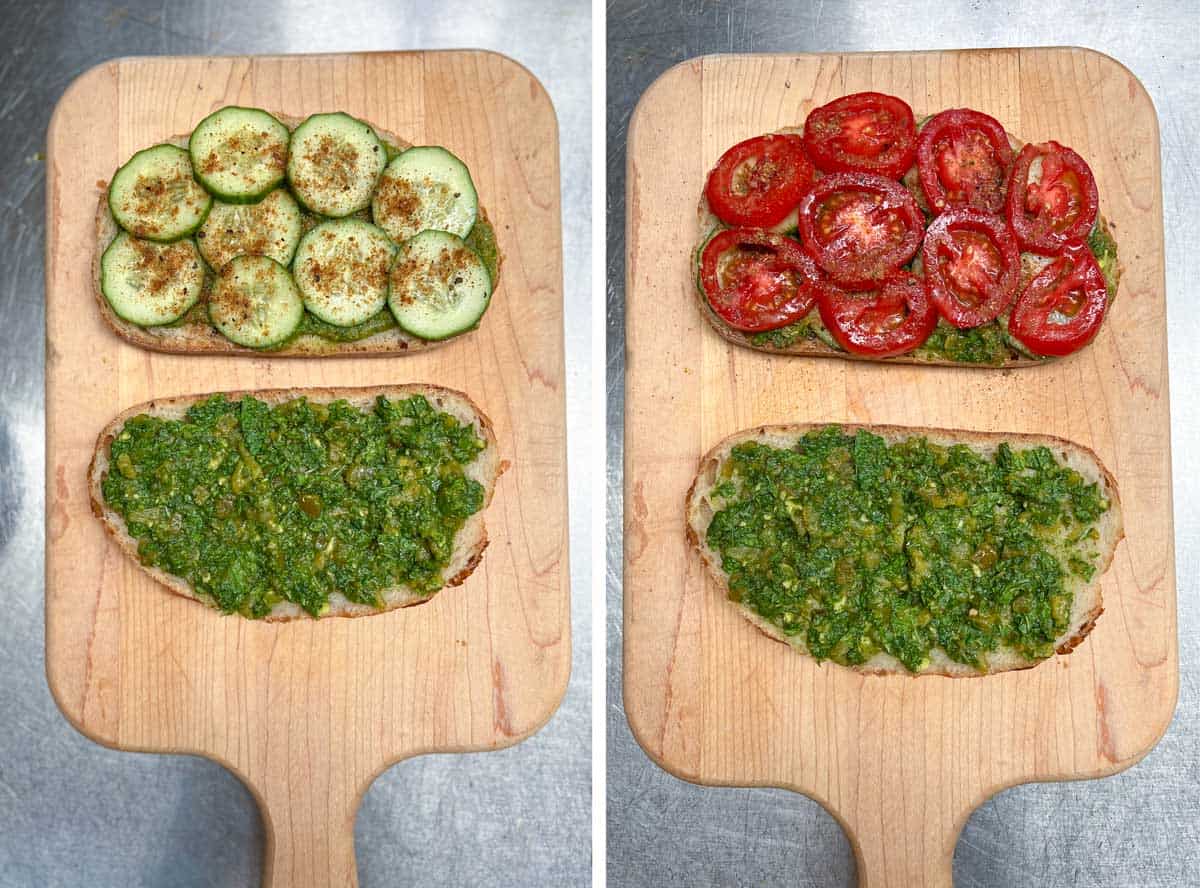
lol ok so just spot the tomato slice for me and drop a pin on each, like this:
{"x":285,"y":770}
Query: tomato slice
{"x":1063,"y":306}
{"x":757,"y":280}
{"x":759,"y":181}
{"x":859,"y":227}
{"x":1052,"y":198}
{"x":865,"y":132}
{"x":889,"y":321}
{"x":972,"y":266}
{"x":963,"y":157}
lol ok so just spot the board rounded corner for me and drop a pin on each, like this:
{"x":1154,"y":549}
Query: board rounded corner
{"x":660,"y":82}
{"x":653,"y":750}
{"x":75,"y":717}
{"x":1121,"y":68}
{"x":552,"y":704}
{"x":81,"y":83}
{"x":540,"y":93}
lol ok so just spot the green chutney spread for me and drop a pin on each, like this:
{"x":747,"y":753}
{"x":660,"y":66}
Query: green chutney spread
{"x":860,"y":546}
{"x":254,"y":504}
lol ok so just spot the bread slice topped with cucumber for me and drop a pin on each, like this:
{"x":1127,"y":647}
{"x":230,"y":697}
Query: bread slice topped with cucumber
{"x":259,"y":232}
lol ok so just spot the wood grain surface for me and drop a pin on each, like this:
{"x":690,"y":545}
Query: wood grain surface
{"x":308,"y":713}
{"x":900,"y":762}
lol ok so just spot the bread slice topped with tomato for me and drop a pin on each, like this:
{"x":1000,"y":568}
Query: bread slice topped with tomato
{"x":867,"y":235}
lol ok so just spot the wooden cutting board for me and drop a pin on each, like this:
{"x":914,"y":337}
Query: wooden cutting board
{"x":308,"y":713}
{"x":900,"y":762}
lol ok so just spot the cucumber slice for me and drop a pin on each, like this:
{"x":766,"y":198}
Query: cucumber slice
{"x":148,"y":283}
{"x":341,"y":269}
{"x":271,"y":228}
{"x":334,"y":164}
{"x":438,"y":286}
{"x":255,"y":302}
{"x":239,"y":154}
{"x":155,"y":197}
{"x":425,"y":188}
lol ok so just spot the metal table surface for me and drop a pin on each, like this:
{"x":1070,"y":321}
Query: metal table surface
{"x":1139,"y":828}
{"x":75,"y":813}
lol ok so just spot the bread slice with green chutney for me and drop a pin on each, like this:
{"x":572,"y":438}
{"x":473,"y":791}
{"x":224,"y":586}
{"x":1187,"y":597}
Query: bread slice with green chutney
{"x":470,"y":540}
{"x":707,"y":497}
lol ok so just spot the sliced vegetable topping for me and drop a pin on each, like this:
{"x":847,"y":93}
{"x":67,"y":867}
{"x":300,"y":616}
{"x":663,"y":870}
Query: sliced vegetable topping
{"x":425,"y":188}
{"x":438,"y":286}
{"x":894,"y":319}
{"x":148,"y":283}
{"x":341,"y":269}
{"x":1052,"y":198}
{"x":756,"y":280}
{"x":270,"y":227}
{"x":864,"y":132}
{"x":154,"y":196}
{"x":334,"y":164}
{"x":255,"y":302}
{"x":758,"y":182}
{"x":986,"y":223}
{"x":239,"y":154}
{"x":859,"y":227}
{"x":972,"y":266}
{"x":964,"y":157}
{"x":1063,"y":306}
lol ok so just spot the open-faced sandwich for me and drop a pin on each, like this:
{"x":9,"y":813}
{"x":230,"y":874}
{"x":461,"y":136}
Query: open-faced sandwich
{"x":903,"y":550}
{"x":276,"y":504}
{"x":867,"y":235}
{"x":302,"y":237}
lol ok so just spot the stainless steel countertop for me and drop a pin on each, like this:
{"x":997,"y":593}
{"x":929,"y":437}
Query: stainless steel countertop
{"x":74,"y":813}
{"x":1139,"y":828}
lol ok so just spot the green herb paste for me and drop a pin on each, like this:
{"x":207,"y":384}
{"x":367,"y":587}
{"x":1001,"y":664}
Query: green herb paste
{"x":310,"y":324}
{"x":254,"y":504}
{"x":978,"y":345}
{"x":785,"y":336}
{"x":860,"y":546}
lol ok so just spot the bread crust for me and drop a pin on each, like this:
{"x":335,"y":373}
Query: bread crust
{"x":815,"y":347}
{"x":470,"y":541}
{"x":1087,"y":604}
{"x":206,"y":339}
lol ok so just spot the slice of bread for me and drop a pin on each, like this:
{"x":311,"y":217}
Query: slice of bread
{"x":469,"y":543}
{"x":1030,"y":265}
{"x":1087,"y":605}
{"x":191,"y":337}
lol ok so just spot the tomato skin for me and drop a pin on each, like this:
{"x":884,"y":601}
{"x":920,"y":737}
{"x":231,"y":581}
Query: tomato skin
{"x":759,"y":181}
{"x":1061,"y":208}
{"x":859,"y":227}
{"x":1073,"y":281}
{"x":864,"y":132}
{"x":757,"y":280}
{"x":972,"y":266}
{"x":892,"y":320}
{"x":964,"y":158}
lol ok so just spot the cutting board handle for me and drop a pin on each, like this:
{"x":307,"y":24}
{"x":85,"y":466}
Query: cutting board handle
{"x":892,"y":853}
{"x":309,"y":817}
